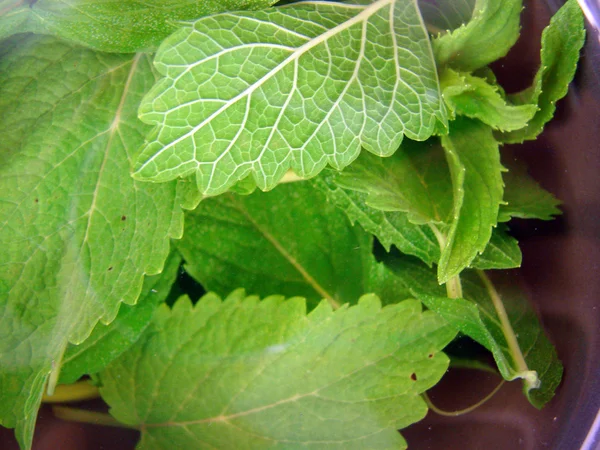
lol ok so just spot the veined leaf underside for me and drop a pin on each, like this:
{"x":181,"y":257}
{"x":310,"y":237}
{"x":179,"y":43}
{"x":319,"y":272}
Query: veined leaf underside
{"x":294,"y":87}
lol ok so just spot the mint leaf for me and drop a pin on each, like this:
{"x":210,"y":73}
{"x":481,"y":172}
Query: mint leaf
{"x":474,"y":160}
{"x":264,"y":374}
{"x":33,"y":58}
{"x":562,"y":41}
{"x":524,"y":197}
{"x":501,"y":252}
{"x":489,"y":35}
{"x":394,"y":197}
{"x":474,"y":97}
{"x":415,"y":180}
{"x":389,"y":227}
{"x":539,"y":354}
{"x":289,"y":240}
{"x":110,"y":25}
{"x":300,"y":87}
{"x":478,"y":317}
{"x":77,"y":232}
{"x":107,"y":342}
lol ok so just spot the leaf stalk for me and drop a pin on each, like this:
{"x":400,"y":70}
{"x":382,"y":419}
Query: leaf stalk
{"x":464,"y":411}
{"x":69,"y":393}
{"x":91,"y":417}
{"x":530,"y":376}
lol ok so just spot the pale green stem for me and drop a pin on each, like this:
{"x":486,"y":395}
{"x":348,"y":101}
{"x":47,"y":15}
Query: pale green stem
{"x":55,"y":372}
{"x":509,"y":333}
{"x":453,"y":285}
{"x":67,"y":393}
{"x":92,"y":417}
{"x":461,"y":412}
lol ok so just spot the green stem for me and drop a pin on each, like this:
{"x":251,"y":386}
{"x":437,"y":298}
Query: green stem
{"x":55,"y":372}
{"x":453,"y":285}
{"x":93,"y":417}
{"x":530,"y":376}
{"x":461,"y":412}
{"x":67,"y":393}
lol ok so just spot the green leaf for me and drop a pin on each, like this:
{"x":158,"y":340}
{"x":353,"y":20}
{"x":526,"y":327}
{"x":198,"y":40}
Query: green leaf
{"x":524,"y":197}
{"x":415,"y":180}
{"x":77,"y":233}
{"x":300,"y":87}
{"x":389,"y":227}
{"x":481,"y":316}
{"x":107,"y":342}
{"x":394,"y":197}
{"x":110,"y":25}
{"x":488,"y":36}
{"x":562,"y":41}
{"x":290,"y":240}
{"x":474,"y":160}
{"x":264,"y":374}
{"x":474,"y":97}
{"x":502,"y":252}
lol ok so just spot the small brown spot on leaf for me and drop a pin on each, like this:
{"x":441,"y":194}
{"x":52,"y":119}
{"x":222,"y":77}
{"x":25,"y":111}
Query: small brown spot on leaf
{"x":36,"y":200}
{"x":413,"y":376}
{"x":110,"y":268}
{"x":123,"y":218}
{"x":430,"y":355}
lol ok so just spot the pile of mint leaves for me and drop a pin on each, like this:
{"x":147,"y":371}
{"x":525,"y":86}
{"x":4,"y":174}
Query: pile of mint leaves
{"x":265,"y":151}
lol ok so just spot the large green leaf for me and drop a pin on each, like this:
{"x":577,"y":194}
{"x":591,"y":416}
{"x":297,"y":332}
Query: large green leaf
{"x":298,"y":87}
{"x":489,"y":35}
{"x":524,"y":197}
{"x":475,"y":97}
{"x":253,"y":374}
{"x":76,"y":232}
{"x":388,"y":226}
{"x":501,"y":319}
{"x":562,"y":41}
{"x":474,"y":161}
{"x":111,"y":25}
{"x":107,"y":342}
{"x":289,"y":240}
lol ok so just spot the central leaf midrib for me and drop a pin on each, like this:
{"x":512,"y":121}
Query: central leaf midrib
{"x":288,"y":256}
